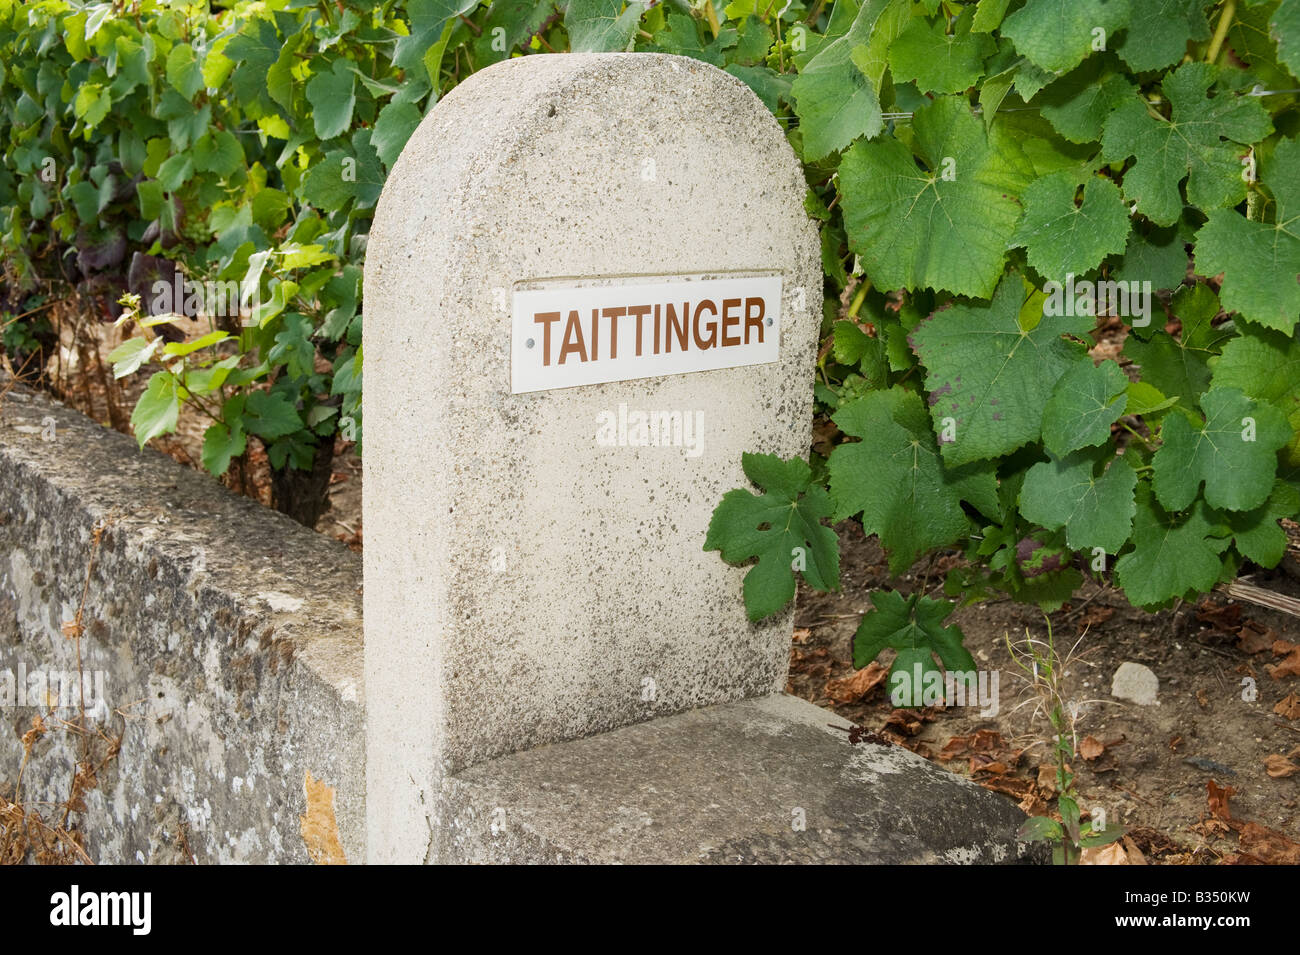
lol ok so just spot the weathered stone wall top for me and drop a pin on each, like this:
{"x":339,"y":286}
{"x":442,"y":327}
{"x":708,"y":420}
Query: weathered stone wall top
{"x":228,"y":635}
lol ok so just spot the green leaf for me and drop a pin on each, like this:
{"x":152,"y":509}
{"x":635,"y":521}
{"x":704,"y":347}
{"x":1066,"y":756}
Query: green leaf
{"x":1234,"y":453}
{"x":1062,"y":238}
{"x":1084,"y":404}
{"x":601,"y":26}
{"x":180,"y":349}
{"x":183,"y":71}
{"x":1257,"y":534}
{"x":332,"y":96}
{"x":1155,"y":255}
{"x":158,"y":408}
{"x":1172,"y":556}
{"x":175,"y":172}
{"x":220,"y":444}
{"x":1159,"y":31}
{"x":895,"y":479}
{"x":1179,"y":367}
{"x":1078,"y":104}
{"x":218,"y":152}
{"x":938,"y":61}
{"x":835,"y":100}
{"x":426,"y":20}
{"x":1057,"y":34}
{"x":781,"y":528}
{"x":270,"y":415}
{"x":1284,"y":26}
{"x":1260,"y":261}
{"x":945,"y":228}
{"x":1265,"y":365}
{"x":396,"y":123}
{"x":131,"y":354}
{"x":988,"y":378}
{"x":1040,"y":829}
{"x":1092,"y":501}
{"x":914,"y":627}
{"x":1196,"y":144}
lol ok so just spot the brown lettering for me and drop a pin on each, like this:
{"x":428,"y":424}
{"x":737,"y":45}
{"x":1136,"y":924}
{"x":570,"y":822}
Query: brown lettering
{"x":754,"y":318}
{"x":614,"y":314}
{"x":640,"y":311}
{"x":545,"y":319}
{"x":730,"y":305}
{"x":573,"y":338}
{"x":679,"y":329}
{"x":711,"y":326}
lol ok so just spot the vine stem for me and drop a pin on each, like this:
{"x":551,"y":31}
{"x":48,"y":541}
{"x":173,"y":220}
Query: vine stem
{"x":1221,"y":30}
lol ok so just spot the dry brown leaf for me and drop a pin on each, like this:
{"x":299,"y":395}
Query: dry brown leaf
{"x":956,"y":747}
{"x":1290,"y":665}
{"x":1279,"y":767}
{"x":1218,"y":799}
{"x":1135,"y":856}
{"x":1090,"y":747}
{"x":1255,"y":638}
{"x":985,"y":741}
{"x":856,"y":686}
{"x":1111,"y":854}
{"x":801,"y":635}
{"x":1008,"y":785}
{"x":1047,"y":780}
{"x":1289,"y":706}
{"x":1267,"y":845}
{"x":320,"y":830}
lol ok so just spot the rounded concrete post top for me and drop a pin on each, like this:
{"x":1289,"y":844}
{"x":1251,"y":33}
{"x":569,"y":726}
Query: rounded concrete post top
{"x":552,"y":142}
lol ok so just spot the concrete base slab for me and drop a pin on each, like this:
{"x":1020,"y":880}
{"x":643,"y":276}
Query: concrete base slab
{"x":725,"y":784}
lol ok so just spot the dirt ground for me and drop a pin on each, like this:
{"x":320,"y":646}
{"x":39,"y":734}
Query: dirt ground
{"x":1156,"y":763}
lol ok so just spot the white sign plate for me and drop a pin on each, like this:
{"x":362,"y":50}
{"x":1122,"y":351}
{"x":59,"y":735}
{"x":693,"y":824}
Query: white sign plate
{"x":565,"y":335}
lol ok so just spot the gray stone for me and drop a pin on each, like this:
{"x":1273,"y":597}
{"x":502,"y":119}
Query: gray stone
{"x":771,"y":780}
{"x":525,"y":584}
{"x":228,"y":635}
{"x":1135,"y":683}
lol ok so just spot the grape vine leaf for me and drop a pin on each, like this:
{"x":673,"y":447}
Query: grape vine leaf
{"x":1159,"y":31}
{"x":946,"y":228}
{"x":938,"y":61}
{"x":1156,"y":255}
{"x":1062,"y":238}
{"x":601,"y":26}
{"x":1057,"y":34}
{"x":895,"y":479}
{"x":1257,"y":534}
{"x":914,"y":626}
{"x":1265,"y":365}
{"x":1094,"y":503}
{"x":1284,"y":27}
{"x":1234,"y":453}
{"x":1078,"y":104}
{"x":990,"y":377}
{"x":1084,"y":404}
{"x":781,"y":528}
{"x":1179,"y":367}
{"x":1260,"y":261}
{"x":1197,"y":143}
{"x":834,"y":99}
{"x":1173,"y":555}
{"x":332,"y":96}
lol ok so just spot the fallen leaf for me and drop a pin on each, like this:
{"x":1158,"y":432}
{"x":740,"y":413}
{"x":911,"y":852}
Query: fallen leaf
{"x":801,"y":635}
{"x":1090,"y":747}
{"x":1112,"y":854}
{"x":1267,"y":845}
{"x":956,"y":747}
{"x":320,"y":830}
{"x":1218,"y":799}
{"x":1279,"y":767}
{"x":1290,"y":665}
{"x":1255,"y":639}
{"x":1047,"y":780}
{"x":1202,"y":700}
{"x":1289,"y":706}
{"x":856,"y":686}
{"x":1135,"y":856}
{"x":1008,"y":785}
{"x":985,"y":741}
{"x":1225,"y":618}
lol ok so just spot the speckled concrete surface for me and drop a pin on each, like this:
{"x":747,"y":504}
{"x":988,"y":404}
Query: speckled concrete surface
{"x":524,"y":582}
{"x":228,"y":634}
{"x":770,"y":780}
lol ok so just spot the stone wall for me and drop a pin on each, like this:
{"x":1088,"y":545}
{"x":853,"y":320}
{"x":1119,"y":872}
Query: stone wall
{"x":227,"y":637}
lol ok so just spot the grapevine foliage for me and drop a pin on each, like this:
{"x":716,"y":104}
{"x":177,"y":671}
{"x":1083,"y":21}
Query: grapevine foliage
{"x":1062,"y":289}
